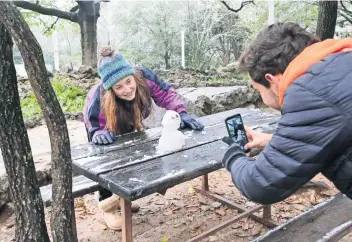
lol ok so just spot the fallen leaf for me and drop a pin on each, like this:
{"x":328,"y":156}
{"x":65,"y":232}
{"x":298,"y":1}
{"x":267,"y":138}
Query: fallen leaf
{"x":194,"y":233}
{"x":160,"y":202}
{"x":250,"y":204}
{"x":103,"y":227}
{"x":299,"y":207}
{"x":165,"y":239}
{"x":313,"y":197}
{"x":175,"y":209}
{"x":245,"y":226}
{"x":168,"y":212}
{"x":241,"y":233}
{"x":177,"y":225}
{"x":10,"y":225}
{"x":220,"y":212}
{"x":203,"y":201}
{"x":179,"y":204}
{"x":193,"y":210}
{"x":235,"y":226}
{"x":213,"y":238}
{"x":219,"y":192}
{"x":191,"y":190}
{"x":196,"y":225}
{"x":81,"y":212}
{"x":80,"y":203}
{"x":286,"y":215}
{"x":205,"y":208}
{"x":191,"y":206}
{"x":256,"y":230}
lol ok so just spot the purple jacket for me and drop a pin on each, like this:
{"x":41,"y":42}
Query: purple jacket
{"x":162,"y":93}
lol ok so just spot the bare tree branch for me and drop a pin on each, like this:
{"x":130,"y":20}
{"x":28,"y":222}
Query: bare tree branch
{"x":46,"y":11}
{"x":74,"y":9}
{"x":344,"y":8}
{"x":243,"y":3}
{"x":346,"y":17}
{"x":52,"y":26}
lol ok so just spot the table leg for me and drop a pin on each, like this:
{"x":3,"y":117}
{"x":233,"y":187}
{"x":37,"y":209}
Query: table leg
{"x":267,"y":212}
{"x":126,"y":213}
{"x":205,"y":183}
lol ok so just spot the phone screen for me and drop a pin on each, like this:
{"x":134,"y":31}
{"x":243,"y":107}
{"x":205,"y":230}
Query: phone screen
{"x":236,"y":130}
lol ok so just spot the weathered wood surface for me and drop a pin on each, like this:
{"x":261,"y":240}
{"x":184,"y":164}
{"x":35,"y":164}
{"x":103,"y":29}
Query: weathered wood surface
{"x":313,"y":224}
{"x":132,"y":169}
{"x":138,"y":138}
{"x":140,"y":147}
{"x":81,"y":185}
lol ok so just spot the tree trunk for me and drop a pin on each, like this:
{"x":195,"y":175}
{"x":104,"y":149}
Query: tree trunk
{"x":63,"y":224}
{"x":167,"y":60}
{"x":16,"y":152}
{"x":87,"y":19}
{"x":326,"y":19}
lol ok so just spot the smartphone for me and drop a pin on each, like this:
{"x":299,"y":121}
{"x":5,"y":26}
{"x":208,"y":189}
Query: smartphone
{"x":236,"y":131}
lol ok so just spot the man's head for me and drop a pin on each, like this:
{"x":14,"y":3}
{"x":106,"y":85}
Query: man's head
{"x":270,"y":53}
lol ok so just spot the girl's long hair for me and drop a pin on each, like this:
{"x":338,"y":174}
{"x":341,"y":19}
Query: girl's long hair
{"x":126,"y":116}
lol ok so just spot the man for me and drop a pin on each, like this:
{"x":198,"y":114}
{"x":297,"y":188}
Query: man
{"x":310,"y":81}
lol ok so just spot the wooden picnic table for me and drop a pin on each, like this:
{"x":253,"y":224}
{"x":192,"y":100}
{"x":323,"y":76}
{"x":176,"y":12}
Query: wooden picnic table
{"x":131,"y":168}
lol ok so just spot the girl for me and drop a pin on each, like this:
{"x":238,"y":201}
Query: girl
{"x":118,"y":105}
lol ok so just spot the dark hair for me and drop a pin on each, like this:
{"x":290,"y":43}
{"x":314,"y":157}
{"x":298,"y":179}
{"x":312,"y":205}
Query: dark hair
{"x":273,"y":49}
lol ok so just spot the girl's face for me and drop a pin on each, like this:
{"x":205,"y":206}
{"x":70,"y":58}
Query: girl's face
{"x":126,"y":88}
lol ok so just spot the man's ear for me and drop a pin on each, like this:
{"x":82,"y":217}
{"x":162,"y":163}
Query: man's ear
{"x":273,"y":79}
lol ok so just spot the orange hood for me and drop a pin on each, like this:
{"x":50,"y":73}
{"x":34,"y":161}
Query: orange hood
{"x":308,"y":57}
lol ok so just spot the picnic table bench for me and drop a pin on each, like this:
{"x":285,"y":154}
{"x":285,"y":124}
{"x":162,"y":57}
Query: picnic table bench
{"x":131,"y":168}
{"x":328,"y":221}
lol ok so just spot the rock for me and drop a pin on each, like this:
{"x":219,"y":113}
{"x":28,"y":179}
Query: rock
{"x":221,"y":70}
{"x":86,"y":72}
{"x":232,"y":67}
{"x":43,"y":173}
{"x":32,"y":122}
{"x":210,"y":100}
{"x":4,"y":190}
{"x":216,"y":205}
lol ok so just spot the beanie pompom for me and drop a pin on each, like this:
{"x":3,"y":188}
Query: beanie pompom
{"x":106,"y":51}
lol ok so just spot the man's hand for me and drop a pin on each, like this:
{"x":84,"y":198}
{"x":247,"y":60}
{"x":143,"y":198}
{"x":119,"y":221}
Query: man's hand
{"x":190,"y":122}
{"x":256,"y":139}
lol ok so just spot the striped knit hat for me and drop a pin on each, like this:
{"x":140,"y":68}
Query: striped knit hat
{"x":112,"y":67}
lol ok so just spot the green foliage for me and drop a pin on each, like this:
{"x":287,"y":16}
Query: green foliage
{"x":71,"y":98}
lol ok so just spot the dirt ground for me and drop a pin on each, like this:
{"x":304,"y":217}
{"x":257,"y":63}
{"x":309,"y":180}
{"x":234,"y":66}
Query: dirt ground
{"x":182,"y":214}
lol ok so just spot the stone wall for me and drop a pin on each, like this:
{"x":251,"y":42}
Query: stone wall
{"x":204,"y":92}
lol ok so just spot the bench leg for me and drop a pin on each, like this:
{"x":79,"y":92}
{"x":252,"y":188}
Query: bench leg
{"x":126,"y":213}
{"x":205,"y":183}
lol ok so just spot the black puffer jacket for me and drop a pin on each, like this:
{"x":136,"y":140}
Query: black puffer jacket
{"x":314,"y":135}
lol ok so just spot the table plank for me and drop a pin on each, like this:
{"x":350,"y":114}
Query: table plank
{"x":95,"y":165}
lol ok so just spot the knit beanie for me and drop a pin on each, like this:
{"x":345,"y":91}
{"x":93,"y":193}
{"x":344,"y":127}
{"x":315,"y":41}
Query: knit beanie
{"x":112,"y":67}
